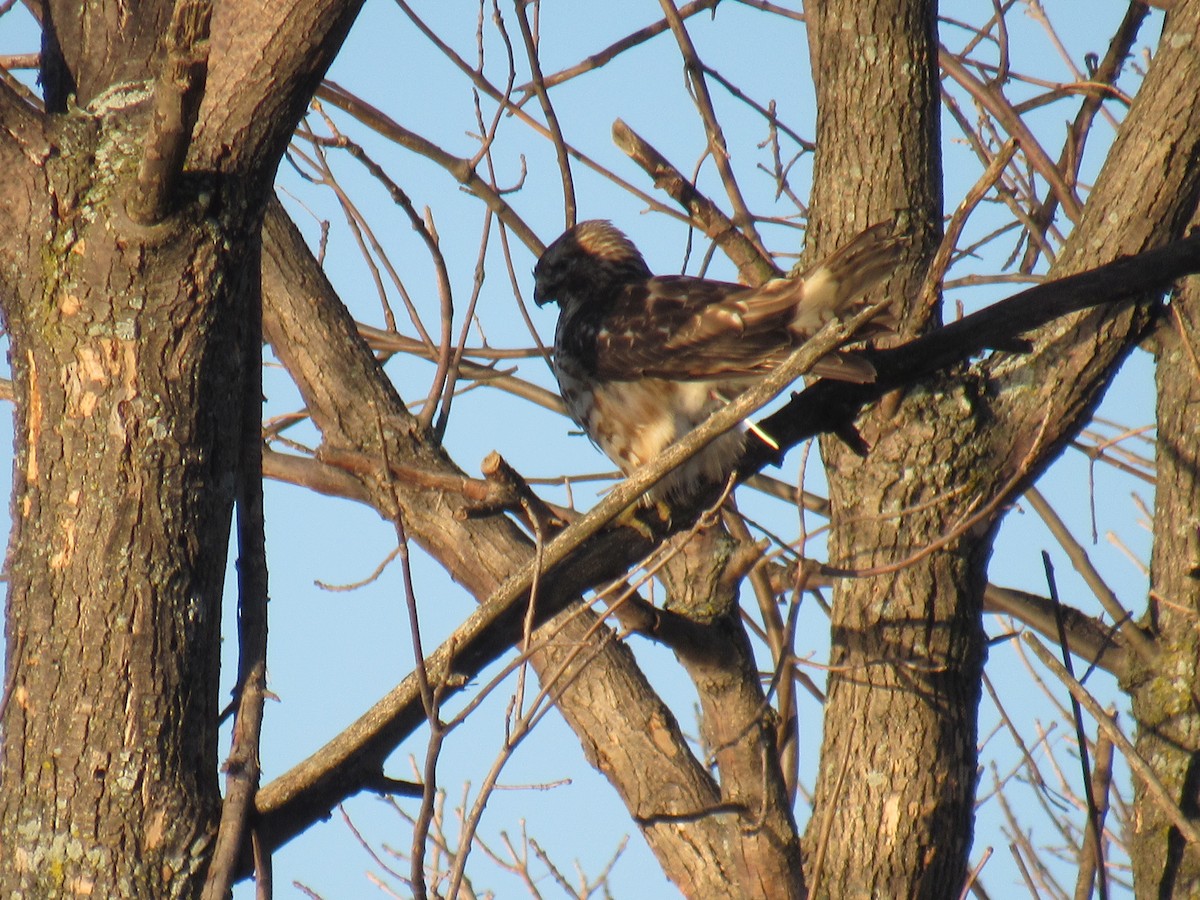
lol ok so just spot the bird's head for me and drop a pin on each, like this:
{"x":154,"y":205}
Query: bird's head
{"x":590,"y":259}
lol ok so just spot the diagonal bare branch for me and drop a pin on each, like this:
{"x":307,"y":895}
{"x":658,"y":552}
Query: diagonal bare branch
{"x":266,"y":58}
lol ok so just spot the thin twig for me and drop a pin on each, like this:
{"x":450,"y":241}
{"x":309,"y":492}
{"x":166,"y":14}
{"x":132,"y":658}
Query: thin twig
{"x":1140,"y":767}
{"x":997,"y":105}
{"x":941,"y":259}
{"x":556,"y":136}
{"x":694,"y":73}
{"x":1143,"y":645}
{"x":1089,"y":855}
{"x":1093,"y":815}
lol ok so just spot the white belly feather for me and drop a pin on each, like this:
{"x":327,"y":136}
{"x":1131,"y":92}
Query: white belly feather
{"x":634,"y":421}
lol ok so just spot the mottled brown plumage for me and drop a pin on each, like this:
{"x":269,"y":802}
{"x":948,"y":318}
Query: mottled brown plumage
{"x":643,"y":359}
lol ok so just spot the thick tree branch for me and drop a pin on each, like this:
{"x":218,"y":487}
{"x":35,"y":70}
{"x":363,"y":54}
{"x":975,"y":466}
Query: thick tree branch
{"x":314,"y":475}
{"x":86,"y":49}
{"x":737,"y":723}
{"x":1165,"y":695}
{"x":243,"y":767}
{"x":24,"y":148}
{"x":22,"y":129}
{"x":266,"y":59}
{"x":1087,"y":638}
{"x":177,"y":95}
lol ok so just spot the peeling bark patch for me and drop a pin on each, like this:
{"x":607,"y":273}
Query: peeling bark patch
{"x":663,"y":739}
{"x":34,"y":420}
{"x":62,"y":558}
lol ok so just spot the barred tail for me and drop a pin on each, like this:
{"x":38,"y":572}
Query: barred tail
{"x":842,"y":278}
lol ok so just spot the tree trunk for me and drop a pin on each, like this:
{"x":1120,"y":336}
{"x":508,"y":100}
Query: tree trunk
{"x":1166,"y":696}
{"x":127,"y":362}
{"x":895,"y":792}
{"x":129,"y":275}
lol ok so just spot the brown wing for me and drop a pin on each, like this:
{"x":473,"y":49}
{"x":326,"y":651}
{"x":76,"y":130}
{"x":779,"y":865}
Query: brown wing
{"x":691,"y":329}
{"x":684,"y":329}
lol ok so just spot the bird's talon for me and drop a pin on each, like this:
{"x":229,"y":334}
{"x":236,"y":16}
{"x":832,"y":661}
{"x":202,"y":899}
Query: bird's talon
{"x":631,"y":517}
{"x":663,"y":510}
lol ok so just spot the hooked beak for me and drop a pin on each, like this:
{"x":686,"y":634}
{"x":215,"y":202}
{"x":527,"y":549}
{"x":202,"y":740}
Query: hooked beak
{"x":540,"y":297}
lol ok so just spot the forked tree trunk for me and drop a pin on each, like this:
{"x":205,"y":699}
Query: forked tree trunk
{"x":127,"y":360}
{"x":130,"y":344}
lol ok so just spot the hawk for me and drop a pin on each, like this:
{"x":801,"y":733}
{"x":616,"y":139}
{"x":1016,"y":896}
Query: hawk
{"x":642,"y":359}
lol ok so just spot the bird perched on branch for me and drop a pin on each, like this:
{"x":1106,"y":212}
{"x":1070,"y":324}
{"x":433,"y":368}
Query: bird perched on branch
{"x":643,"y":359}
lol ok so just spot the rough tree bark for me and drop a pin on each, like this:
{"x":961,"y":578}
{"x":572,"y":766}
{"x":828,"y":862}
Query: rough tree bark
{"x":128,"y":284}
{"x":894,"y":796}
{"x":126,"y":355}
{"x":1166,"y":692}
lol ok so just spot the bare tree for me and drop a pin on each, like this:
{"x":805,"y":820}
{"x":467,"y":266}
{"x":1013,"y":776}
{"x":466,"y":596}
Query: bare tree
{"x":145,"y":260}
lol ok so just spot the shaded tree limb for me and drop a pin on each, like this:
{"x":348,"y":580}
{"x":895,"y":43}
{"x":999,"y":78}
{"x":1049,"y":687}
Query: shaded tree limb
{"x":828,"y":406}
{"x":243,"y":767}
{"x":24,"y":148}
{"x":85,"y":52}
{"x":1100,"y":645}
{"x":737,"y":723}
